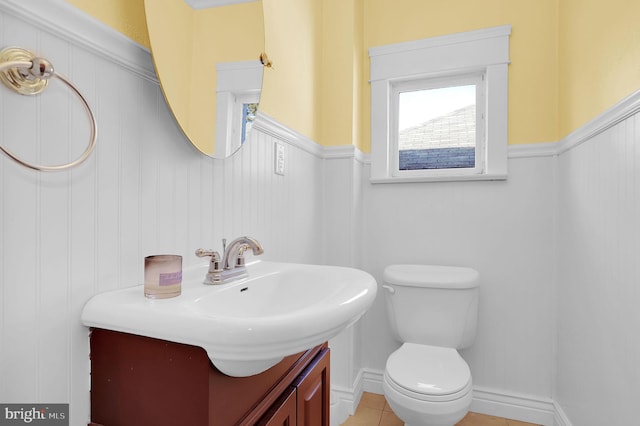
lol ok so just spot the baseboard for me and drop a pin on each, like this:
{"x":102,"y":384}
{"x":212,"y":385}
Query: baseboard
{"x":501,"y":403}
{"x":560,"y":418}
{"x":371,"y":380}
{"x":343,"y":404}
{"x":526,"y":408}
{"x":344,"y":401}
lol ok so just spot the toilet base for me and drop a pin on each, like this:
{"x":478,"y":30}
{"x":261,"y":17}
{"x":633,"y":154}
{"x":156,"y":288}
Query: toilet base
{"x":415,"y":412}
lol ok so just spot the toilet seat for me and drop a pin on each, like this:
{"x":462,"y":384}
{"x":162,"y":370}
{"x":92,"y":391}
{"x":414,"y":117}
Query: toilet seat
{"x":428,"y":373}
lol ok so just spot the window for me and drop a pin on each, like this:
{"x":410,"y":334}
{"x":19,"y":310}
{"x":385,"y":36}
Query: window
{"x":237,"y":95}
{"x":249,"y":111}
{"x":439,"y":108}
{"x":244,"y":106}
{"x":436,"y":126}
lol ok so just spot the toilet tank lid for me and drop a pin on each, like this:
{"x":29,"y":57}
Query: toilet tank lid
{"x":432,"y":276}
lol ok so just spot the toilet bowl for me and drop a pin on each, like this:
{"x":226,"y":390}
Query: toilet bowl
{"x":432,"y":312}
{"x":427,"y":385}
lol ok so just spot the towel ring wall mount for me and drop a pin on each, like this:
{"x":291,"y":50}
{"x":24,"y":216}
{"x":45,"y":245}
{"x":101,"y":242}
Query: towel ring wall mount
{"x":28,"y":74}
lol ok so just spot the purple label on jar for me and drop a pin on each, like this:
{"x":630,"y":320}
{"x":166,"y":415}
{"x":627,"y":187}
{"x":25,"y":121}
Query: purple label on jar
{"x":170,"y":278}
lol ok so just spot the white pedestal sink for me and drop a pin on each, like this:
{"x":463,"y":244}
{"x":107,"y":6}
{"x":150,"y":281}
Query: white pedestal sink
{"x":249,"y":325}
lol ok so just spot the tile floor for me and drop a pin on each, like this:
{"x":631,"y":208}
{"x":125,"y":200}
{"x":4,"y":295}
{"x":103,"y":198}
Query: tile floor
{"x":373,"y":410}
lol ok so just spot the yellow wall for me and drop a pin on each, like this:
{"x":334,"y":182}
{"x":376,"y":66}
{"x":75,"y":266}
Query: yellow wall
{"x":316,"y":83}
{"x":215,"y":40}
{"x":126,"y":16}
{"x":341,"y":72}
{"x":187,"y":45}
{"x":293,"y":41}
{"x":599,"y":57}
{"x":533,"y":73}
{"x":173,"y":54}
{"x":571,"y":59}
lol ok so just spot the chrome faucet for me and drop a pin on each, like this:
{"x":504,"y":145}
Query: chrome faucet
{"x":231,"y":266}
{"x":233,"y":257}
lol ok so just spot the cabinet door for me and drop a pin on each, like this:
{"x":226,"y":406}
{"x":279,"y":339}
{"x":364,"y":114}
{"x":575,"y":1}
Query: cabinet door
{"x":283,"y":412}
{"x":313,"y":392}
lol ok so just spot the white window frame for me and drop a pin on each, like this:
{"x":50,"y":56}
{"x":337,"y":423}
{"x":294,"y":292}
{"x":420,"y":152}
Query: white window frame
{"x":397,"y":87}
{"x":237,"y":83}
{"x":483,"y":52}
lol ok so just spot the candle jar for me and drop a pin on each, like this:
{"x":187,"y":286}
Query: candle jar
{"x":162,"y":276}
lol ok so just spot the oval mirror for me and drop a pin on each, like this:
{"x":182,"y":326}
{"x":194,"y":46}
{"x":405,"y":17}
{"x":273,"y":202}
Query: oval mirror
{"x":207,"y":58}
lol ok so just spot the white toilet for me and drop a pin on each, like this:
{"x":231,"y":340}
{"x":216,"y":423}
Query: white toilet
{"x":433,"y":311}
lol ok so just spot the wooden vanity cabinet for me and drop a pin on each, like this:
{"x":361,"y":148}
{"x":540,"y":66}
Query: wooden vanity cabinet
{"x":143,"y":381}
{"x":312,"y":388}
{"x":283,"y":412}
{"x":306,"y":402}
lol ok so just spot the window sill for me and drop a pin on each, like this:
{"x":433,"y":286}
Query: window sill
{"x":459,"y":178}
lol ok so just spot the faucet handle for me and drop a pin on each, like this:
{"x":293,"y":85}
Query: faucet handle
{"x":240,"y":258}
{"x":214,"y":266}
{"x":204,"y":253}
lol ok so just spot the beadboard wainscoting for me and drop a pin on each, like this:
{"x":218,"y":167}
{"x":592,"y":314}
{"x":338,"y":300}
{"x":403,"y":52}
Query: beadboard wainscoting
{"x":66,"y":236}
{"x":503,"y":229}
{"x":598,"y":291}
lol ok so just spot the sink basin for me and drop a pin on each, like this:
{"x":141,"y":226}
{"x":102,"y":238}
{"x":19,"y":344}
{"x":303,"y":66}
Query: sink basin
{"x":249,"y":325}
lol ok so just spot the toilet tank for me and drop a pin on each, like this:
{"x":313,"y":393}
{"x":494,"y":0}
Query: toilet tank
{"x":432,"y":305}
